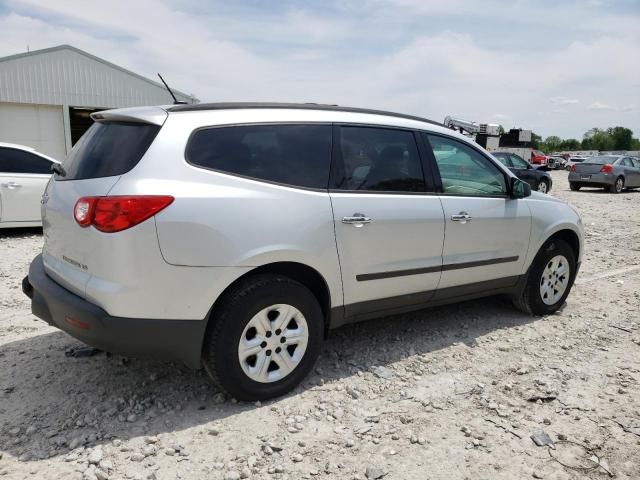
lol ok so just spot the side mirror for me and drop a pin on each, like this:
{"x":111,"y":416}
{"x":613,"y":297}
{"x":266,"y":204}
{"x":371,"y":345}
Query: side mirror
{"x":529,"y":166}
{"x":519,"y":189}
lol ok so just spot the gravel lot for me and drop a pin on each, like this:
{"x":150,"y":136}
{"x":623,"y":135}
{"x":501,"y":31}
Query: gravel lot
{"x":441,"y":393}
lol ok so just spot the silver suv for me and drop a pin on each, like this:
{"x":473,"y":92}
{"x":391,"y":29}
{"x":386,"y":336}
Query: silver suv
{"x":235,"y":236}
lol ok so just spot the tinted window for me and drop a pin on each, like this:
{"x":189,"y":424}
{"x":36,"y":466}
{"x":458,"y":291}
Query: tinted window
{"x":518,"y":162}
{"x":503,"y":158}
{"x":108,"y":149}
{"x":378,"y":159}
{"x":292,"y":154}
{"x":464,"y":170}
{"x":19,"y":161}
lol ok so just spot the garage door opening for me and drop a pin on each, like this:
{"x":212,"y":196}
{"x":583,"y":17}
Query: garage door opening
{"x":80,"y":121}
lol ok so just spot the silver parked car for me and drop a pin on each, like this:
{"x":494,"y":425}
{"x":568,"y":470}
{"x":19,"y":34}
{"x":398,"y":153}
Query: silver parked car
{"x":235,"y":236}
{"x":611,"y":172}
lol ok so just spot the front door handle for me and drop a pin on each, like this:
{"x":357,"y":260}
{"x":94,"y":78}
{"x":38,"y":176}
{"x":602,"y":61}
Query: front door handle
{"x":357,"y":219}
{"x":462,"y":217}
{"x":11,"y":185}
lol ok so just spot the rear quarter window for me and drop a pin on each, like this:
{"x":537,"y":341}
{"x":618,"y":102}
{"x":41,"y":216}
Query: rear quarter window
{"x":297,"y":155}
{"x":108,"y":149}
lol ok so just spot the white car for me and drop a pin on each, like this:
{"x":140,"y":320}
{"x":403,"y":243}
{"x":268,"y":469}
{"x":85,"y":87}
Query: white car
{"x":24,"y":174}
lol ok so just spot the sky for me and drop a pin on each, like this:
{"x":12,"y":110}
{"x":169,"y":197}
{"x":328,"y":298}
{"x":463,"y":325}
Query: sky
{"x":553,"y":66}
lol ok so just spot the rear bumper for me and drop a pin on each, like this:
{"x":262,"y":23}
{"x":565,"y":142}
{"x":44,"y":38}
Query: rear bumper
{"x":177,"y":340}
{"x":595,"y":179}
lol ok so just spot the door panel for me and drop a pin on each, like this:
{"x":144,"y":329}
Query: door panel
{"x":399,"y":252}
{"x":389,"y":230}
{"x":486,"y":232}
{"x":495,"y":240}
{"x":21,"y":194}
{"x":632,"y":172}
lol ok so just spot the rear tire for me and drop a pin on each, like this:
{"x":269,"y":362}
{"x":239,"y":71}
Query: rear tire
{"x":549,"y":279}
{"x":574,"y":186}
{"x":248,"y":318}
{"x":617,"y":186}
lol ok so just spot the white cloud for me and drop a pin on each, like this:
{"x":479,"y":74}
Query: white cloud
{"x":600,"y":106}
{"x":394,"y":54}
{"x":564,"y":100}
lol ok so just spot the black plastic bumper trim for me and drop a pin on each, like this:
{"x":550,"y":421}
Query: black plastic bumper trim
{"x":176,"y":340}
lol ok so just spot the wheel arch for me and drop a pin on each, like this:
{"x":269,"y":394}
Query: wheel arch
{"x":570,"y":237}
{"x":304,"y":274}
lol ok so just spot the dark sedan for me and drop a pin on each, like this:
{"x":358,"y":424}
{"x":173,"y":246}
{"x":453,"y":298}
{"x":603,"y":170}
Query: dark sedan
{"x":538,"y":179}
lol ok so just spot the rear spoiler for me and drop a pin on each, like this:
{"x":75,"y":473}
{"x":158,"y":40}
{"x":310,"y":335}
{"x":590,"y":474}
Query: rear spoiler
{"x":149,"y":115}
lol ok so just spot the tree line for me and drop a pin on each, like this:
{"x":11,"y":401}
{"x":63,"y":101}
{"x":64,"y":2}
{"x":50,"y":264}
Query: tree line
{"x":614,"y":138}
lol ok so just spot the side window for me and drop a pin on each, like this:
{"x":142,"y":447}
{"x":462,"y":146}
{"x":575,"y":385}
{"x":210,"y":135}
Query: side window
{"x":298,"y":155}
{"x":518,"y":162}
{"x":636,"y":162}
{"x":19,"y":161}
{"x":503,"y":158}
{"x":465,"y":171}
{"x":378,"y":159}
{"x":627,"y":162}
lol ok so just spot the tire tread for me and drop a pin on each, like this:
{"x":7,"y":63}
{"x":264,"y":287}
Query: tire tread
{"x":222,"y":313}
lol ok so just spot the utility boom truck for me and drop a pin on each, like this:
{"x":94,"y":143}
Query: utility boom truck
{"x":488,"y":136}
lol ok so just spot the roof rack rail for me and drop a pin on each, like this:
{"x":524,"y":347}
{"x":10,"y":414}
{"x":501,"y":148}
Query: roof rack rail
{"x":294,"y":106}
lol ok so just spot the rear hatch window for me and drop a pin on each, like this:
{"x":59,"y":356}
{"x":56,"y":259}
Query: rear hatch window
{"x":108,"y":149}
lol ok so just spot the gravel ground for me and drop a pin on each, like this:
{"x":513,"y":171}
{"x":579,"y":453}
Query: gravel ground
{"x":441,"y":393}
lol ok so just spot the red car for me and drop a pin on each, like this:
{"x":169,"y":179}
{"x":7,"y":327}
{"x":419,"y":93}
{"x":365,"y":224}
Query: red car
{"x":538,"y":157}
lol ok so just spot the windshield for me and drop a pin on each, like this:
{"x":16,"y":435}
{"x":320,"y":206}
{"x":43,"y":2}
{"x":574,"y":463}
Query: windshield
{"x":601,"y":160}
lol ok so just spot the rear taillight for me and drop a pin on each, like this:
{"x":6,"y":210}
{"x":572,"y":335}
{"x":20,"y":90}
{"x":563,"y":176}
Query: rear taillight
{"x":608,"y":168}
{"x":117,"y":213}
{"x":83,"y":211}
{"x":573,"y":167}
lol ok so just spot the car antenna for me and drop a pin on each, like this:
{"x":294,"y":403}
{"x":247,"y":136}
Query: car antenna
{"x":175,"y":100}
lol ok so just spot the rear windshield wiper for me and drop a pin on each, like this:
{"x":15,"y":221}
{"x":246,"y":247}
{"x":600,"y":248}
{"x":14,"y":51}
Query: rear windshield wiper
{"x":57,"y":168}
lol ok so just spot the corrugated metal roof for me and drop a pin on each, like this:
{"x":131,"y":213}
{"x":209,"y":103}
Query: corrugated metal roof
{"x":65,"y":75}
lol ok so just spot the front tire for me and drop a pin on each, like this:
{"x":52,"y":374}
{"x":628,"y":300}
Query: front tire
{"x":549,"y":280}
{"x":617,"y":186}
{"x":264,"y":338}
{"x":543,"y":186}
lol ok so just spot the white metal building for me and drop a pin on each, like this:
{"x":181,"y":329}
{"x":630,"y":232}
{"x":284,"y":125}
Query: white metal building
{"x":46,"y":96}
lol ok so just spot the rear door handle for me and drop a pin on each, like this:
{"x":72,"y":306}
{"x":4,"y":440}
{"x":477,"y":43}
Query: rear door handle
{"x":462,"y":217}
{"x":11,"y":185}
{"x":357,"y":219}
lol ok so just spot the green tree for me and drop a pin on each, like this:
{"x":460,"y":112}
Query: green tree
{"x":602,"y":140}
{"x":621,"y":138}
{"x":587,"y":139}
{"x":570,"y":144}
{"x":552,"y":143}
{"x":635,"y":144}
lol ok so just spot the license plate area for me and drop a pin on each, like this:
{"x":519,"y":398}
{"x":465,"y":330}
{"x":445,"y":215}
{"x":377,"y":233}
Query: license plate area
{"x":585,"y":177}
